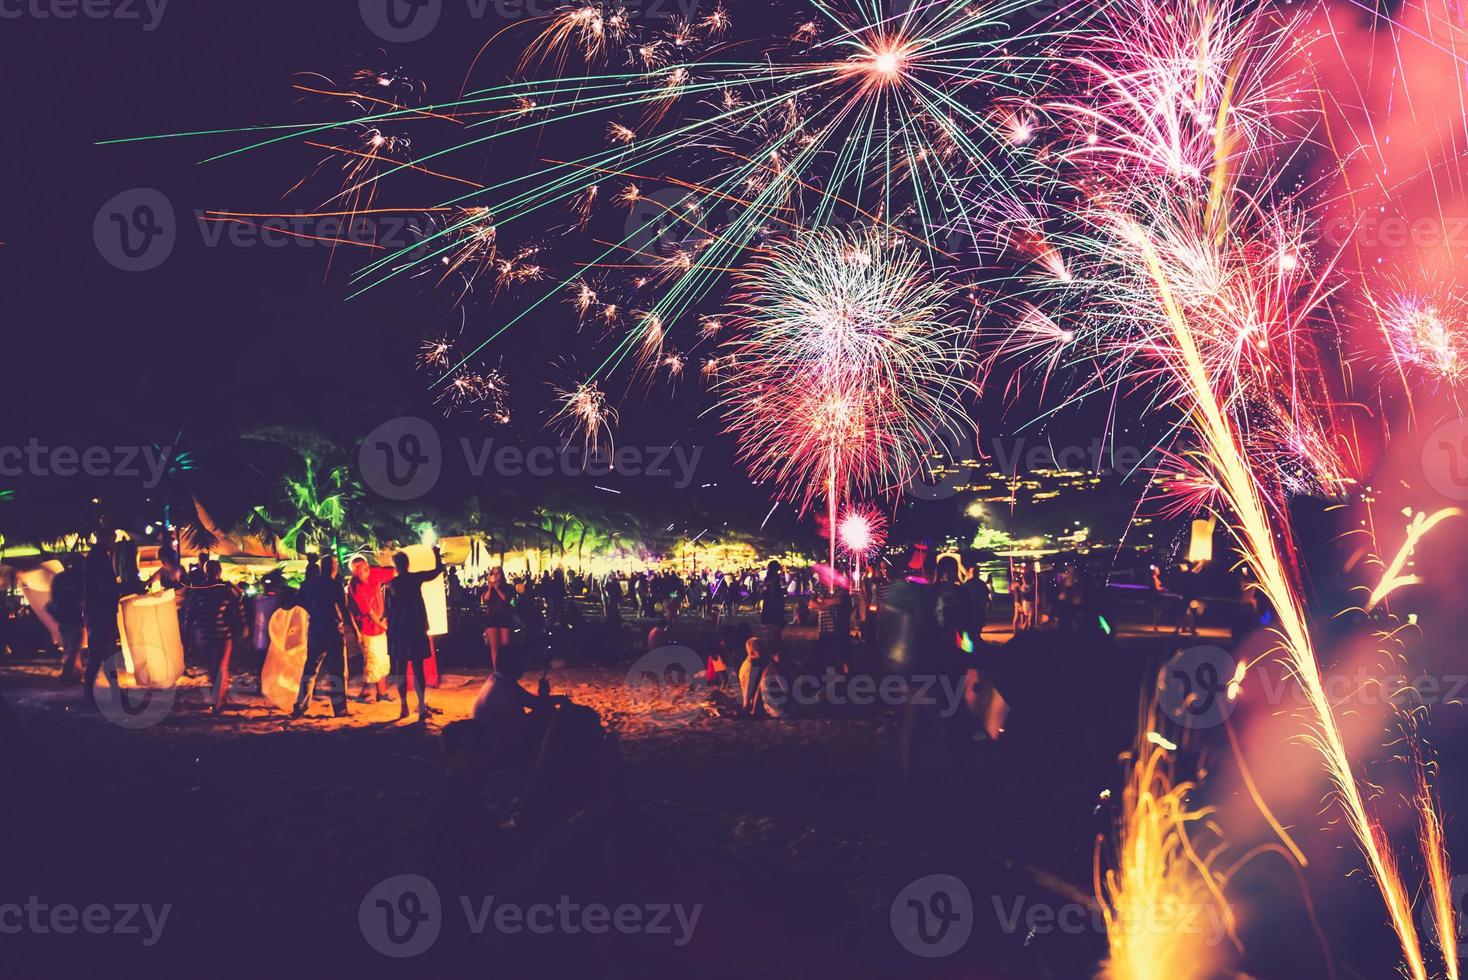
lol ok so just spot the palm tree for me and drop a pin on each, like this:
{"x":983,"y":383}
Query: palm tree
{"x":321,"y":508}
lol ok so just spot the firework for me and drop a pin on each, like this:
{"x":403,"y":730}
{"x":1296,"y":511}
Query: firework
{"x":1429,"y":335}
{"x":435,"y":354}
{"x":1162,"y":877}
{"x":851,"y":367}
{"x":862,"y":531}
{"x":585,"y":414}
{"x":485,"y":393}
{"x":866,"y":114}
{"x":1196,"y":283}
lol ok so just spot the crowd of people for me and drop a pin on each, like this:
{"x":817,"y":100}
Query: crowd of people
{"x":383,"y":609}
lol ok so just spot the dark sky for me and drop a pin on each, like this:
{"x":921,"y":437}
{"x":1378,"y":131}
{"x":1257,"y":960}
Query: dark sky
{"x":219,"y":335}
{"x":221,"y":338}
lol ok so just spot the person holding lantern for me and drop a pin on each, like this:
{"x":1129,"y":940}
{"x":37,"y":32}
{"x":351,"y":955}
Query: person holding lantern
{"x":407,"y":627}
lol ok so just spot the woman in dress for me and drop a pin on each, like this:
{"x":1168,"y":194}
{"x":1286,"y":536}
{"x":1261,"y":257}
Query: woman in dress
{"x":407,"y":627}
{"x":499,"y":607}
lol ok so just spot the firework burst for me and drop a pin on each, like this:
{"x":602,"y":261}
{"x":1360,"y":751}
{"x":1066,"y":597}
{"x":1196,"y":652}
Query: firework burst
{"x":861,"y":532}
{"x":585,"y":414}
{"x":1192,"y":279}
{"x":866,"y":112}
{"x":1429,"y":335}
{"x":851,"y":366}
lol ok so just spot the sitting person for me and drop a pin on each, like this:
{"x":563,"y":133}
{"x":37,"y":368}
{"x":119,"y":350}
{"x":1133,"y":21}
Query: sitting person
{"x":576,"y":771}
{"x":773,"y":695}
{"x":749,"y":672}
{"x":458,"y":806}
{"x":716,"y":672}
{"x":501,"y":709}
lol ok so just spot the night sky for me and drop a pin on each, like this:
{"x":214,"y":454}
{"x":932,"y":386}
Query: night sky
{"x":222,"y":339}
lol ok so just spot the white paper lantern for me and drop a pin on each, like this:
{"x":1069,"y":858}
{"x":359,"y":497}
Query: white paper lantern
{"x":435,"y":593}
{"x":1201,"y":546}
{"x":280,"y":678}
{"x":151,"y":644}
{"x":35,"y":585}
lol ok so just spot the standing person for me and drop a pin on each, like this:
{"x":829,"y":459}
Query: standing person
{"x":1019,"y":594}
{"x":198,"y":577}
{"x":499,"y":615}
{"x":170,"y":574}
{"x":833,"y":630}
{"x":1159,"y":594}
{"x":364,"y":598}
{"x":325,"y":602}
{"x":981,"y":594}
{"x":66,"y":608}
{"x":99,"y":611}
{"x":908,"y":633}
{"x":611,"y":599}
{"x":407,"y":627}
{"x":555,"y":595}
{"x":772,"y":606}
{"x":649,"y":583}
{"x":749,"y":673}
{"x":957,"y":621}
{"x":213,"y":618}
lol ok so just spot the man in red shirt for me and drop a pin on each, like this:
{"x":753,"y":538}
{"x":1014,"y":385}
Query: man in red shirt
{"x":364,"y":599}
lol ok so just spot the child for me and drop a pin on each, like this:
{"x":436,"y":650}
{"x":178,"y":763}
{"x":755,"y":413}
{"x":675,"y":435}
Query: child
{"x":749,"y":672}
{"x":716,"y":673}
